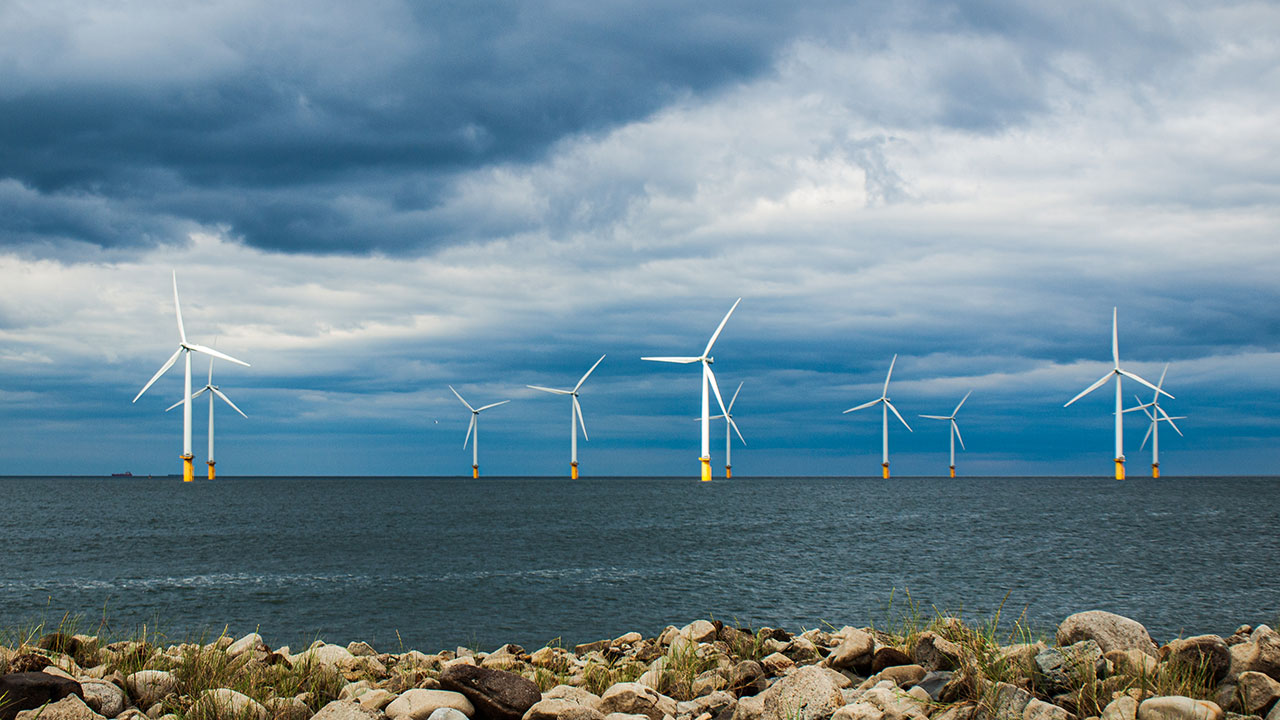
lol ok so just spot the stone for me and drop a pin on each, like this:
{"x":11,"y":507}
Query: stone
{"x":578,"y":695}
{"x":446,"y":713}
{"x":636,"y":699}
{"x":904,"y":676}
{"x":1260,"y":654}
{"x":136,"y":714}
{"x":360,"y":648}
{"x":418,"y":704}
{"x":551,"y":658}
{"x":148,"y":687}
{"x":287,"y":708}
{"x":347,"y":710}
{"x":808,"y":693}
{"x":103,"y":697}
{"x":630,"y":638}
{"x":377,"y":698}
{"x":70,"y":707}
{"x":934,"y":652}
{"x":496,"y":694}
{"x":227,"y":704}
{"x":1275,"y":712}
{"x":747,"y":678}
{"x":802,"y":651}
{"x":562,"y":709}
{"x":1176,"y":707}
{"x":1134,"y":663}
{"x":1040,"y":710}
{"x":1208,"y":651}
{"x":855,"y":650}
{"x":893,"y":705}
{"x":887,"y":656}
{"x":330,"y":657}
{"x":1109,"y":630}
{"x":960,"y":711}
{"x":249,"y":643}
{"x":28,"y":662}
{"x":699,"y":631}
{"x":777,"y":664}
{"x":1057,"y":669}
{"x":1009,"y":702}
{"x":28,"y":690}
{"x":748,"y":708}
{"x":1256,"y":691}
{"x":933,"y":683}
{"x":1122,"y":708}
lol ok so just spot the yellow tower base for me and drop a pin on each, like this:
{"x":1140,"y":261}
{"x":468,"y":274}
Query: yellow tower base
{"x":728,"y":471}
{"x":188,"y":472}
{"x":1155,"y":470}
{"x":1119,"y":468}
{"x":573,"y":471}
{"x":953,"y":471}
{"x":885,"y":466}
{"x":475,"y":472}
{"x":211,"y":473}
{"x":706,"y":469}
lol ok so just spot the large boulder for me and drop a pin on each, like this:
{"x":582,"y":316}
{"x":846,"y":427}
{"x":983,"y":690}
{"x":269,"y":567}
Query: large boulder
{"x":636,"y":699}
{"x":1056,"y":668}
{"x":1260,"y":654}
{"x":808,"y":693}
{"x":1110,"y":631}
{"x":1202,"y":651}
{"x":496,"y":694}
{"x":105,"y":698}
{"x":70,"y":707}
{"x":27,"y":690}
{"x":1257,"y":692}
{"x":854,"y":650}
{"x":1177,"y":707}
{"x":562,"y":709}
{"x":347,"y":710}
{"x":148,"y":687}
{"x":249,"y":643}
{"x":419,"y":703}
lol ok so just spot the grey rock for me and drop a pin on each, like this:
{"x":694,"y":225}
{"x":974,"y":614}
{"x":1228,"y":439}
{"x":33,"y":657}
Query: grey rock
{"x":103,"y":697}
{"x":934,"y":682}
{"x":1176,"y":707}
{"x":446,"y":713}
{"x":27,"y":690}
{"x":148,"y":687}
{"x":496,"y":694}
{"x":562,"y":709}
{"x":227,"y":704}
{"x":347,"y":710}
{"x":934,"y":652}
{"x":1009,"y":702}
{"x":1109,"y":630}
{"x":808,"y":693}
{"x":1057,"y":668}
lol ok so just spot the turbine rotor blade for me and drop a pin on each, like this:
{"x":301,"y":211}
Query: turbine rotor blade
{"x":582,"y":421}
{"x":937,"y":417}
{"x":734,"y":425}
{"x":1170,"y":420}
{"x":172,"y":359}
{"x":735,"y":397}
{"x":862,"y":406}
{"x":214,"y":353}
{"x":194,"y":395}
{"x":1163,"y":372}
{"x":470,"y":427}
{"x":1147,"y":437}
{"x":486,"y":407}
{"x":1092,"y":387}
{"x":714,"y":387}
{"x":550,"y":390}
{"x":1115,"y":338}
{"x":966,"y":397}
{"x":177,"y":308}
{"x":895,"y":412}
{"x":464,"y":402}
{"x":227,"y":400}
{"x":681,"y":360}
{"x":716,"y":334}
{"x":1131,"y":376}
{"x":889,"y":375}
{"x":588,"y":374}
{"x":956,"y":427}
{"x":210,"y":382}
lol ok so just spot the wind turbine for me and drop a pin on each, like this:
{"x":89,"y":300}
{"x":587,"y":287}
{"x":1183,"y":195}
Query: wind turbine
{"x":1117,"y":373}
{"x":955,"y":430}
{"x":730,"y":425}
{"x":708,"y":378}
{"x":185,"y":349}
{"x":475,"y":427}
{"x":213,"y":390}
{"x":575,"y":416}
{"x":1155,"y":413}
{"x":884,"y":398}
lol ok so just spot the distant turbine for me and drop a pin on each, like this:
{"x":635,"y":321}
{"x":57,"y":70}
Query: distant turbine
{"x":1117,"y":373}
{"x":213,"y":390}
{"x":185,"y":348}
{"x":1155,"y":413}
{"x":475,"y":427}
{"x":730,"y":425}
{"x":708,"y":378}
{"x":884,"y":398}
{"x":955,"y":430}
{"x":575,"y":416}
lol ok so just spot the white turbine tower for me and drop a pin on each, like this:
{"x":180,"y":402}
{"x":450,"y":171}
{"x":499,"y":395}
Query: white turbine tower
{"x":884,"y":398}
{"x":1155,"y":414}
{"x":474,"y":428}
{"x":185,"y":348}
{"x":213,"y":390}
{"x":955,"y":430}
{"x":575,"y":417}
{"x":708,"y":378}
{"x":1117,"y":373}
{"x":730,"y":428}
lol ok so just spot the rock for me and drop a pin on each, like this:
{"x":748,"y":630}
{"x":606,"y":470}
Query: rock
{"x":29,"y":662}
{"x":287,"y":708}
{"x":777,"y":664}
{"x":747,"y":678}
{"x":1110,"y":631}
{"x":1256,"y":692}
{"x":377,"y":698}
{"x":1134,"y":663}
{"x":893,"y":704}
{"x":418,"y":704}
{"x":1176,"y":707}
{"x":1041,"y":710}
{"x":446,"y":713}
{"x":334,"y":658}
{"x":1057,"y":669}
{"x":578,"y":695}
{"x":887,"y":656}
{"x":1020,"y":657}
{"x":636,"y":699}
{"x":555,"y":659}
{"x":70,"y":707}
{"x":103,"y":697}
{"x":1208,"y":651}
{"x":1122,"y":708}
{"x":934,"y":652}
{"x":699,"y":631}
{"x":360,"y":648}
{"x":496,"y":694}
{"x":1275,"y":712}
{"x":1260,"y":654}
{"x":27,"y":690}
{"x":748,"y":708}
{"x":808,"y":693}
{"x":134,"y":714}
{"x":562,"y":709}
{"x":148,"y":687}
{"x":855,"y":650}
{"x":933,"y":683}
{"x":904,"y":676}
{"x":347,"y":710}
{"x":960,"y":711}
{"x":249,"y":643}
{"x":802,"y":651}
{"x":226,"y":704}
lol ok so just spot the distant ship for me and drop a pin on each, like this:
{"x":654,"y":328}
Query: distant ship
{"x":123,"y":474}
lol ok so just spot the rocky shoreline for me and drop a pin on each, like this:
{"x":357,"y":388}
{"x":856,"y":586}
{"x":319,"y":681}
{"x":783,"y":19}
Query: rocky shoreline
{"x":1099,"y":665}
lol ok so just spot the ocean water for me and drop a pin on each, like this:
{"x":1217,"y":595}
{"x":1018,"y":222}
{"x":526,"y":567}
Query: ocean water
{"x":433,"y":563}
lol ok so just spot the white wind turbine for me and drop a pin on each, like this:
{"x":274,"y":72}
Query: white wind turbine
{"x":955,"y":430}
{"x":575,"y":416}
{"x":1156,"y":414}
{"x":213,"y":390}
{"x":185,"y":348}
{"x":474,"y":429}
{"x":1117,"y":373}
{"x":728,"y":437}
{"x":884,"y":398}
{"x":708,"y":378}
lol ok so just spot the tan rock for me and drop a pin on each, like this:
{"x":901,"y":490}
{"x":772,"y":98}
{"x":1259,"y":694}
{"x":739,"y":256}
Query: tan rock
{"x":777,"y":664}
{"x":1202,"y":651}
{"x":227,"y":704}
{"x":903,"y":676}
{"x":347,"y":710}
{"x":249,"y":643}
{"x":1176,"y":707}
{"x":1122,"y":708}
{"x":699,"y":631}
{"x":418,"y":704}
{"x":807,"y":693}
{"x":578,"y":695}
{"x":748,"y":708}
{"x":1256,"y":691}
{"x":1041,"y":710}
{"x":377,"y":698}
{"x":70,"y":707}
{"x":636,"y":699}
{"x":1133,"y":662}
{"x":562,"y":709}
{"x":103,"y":697}
{"x":855,"y":649}
{"x":148,"y":687}
{"x":1110,"y":631}
{"x":934,"y":652}
{"x":287,"y":708}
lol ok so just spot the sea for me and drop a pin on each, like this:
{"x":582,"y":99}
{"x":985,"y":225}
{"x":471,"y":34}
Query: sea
{"x":438,"y":563}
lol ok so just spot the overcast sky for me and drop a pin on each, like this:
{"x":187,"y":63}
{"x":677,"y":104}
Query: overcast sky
{"x":369,"y":202}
